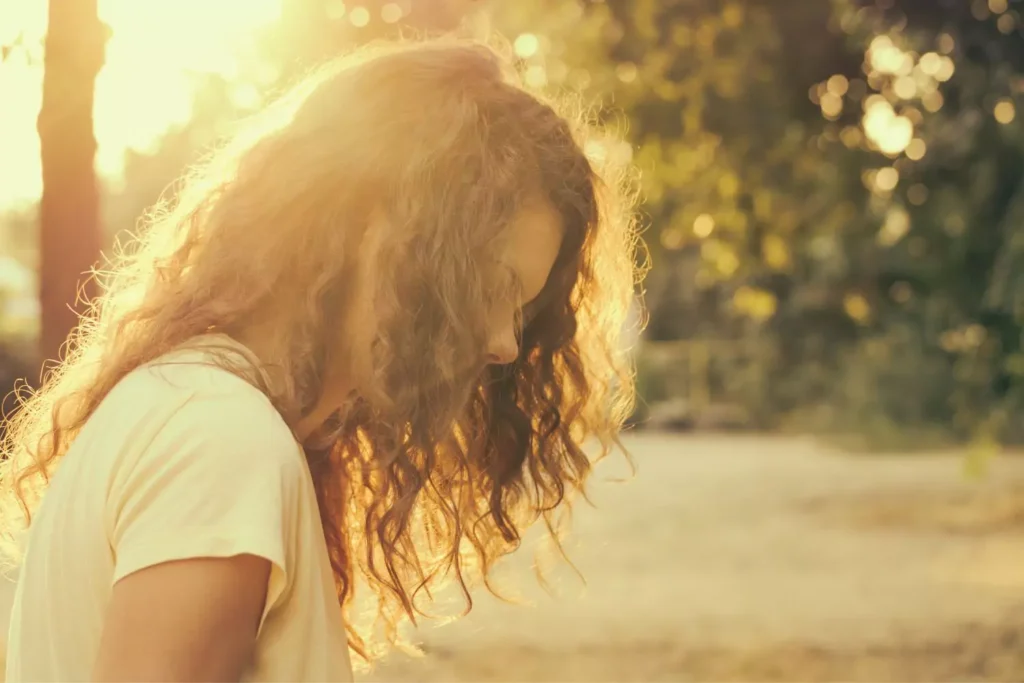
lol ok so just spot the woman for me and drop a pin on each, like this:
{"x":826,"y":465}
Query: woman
{"x":364,"y":346}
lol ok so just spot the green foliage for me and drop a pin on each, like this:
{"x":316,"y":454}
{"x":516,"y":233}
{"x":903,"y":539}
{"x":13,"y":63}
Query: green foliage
{"x":852,"y":272}
{"x":881,"y":285}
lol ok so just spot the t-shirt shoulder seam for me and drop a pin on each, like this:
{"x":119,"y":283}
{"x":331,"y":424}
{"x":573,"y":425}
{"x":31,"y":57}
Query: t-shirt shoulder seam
{"x":225,"y":385}
{"x":220,"y":374}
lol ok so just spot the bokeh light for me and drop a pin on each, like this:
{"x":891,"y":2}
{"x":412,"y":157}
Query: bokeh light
{"x":857,"y":307}
{"x":916,"y":149}
{"x":704,"y":225}
{"x":391,"y":13}
{"x":886,"y":179}
{"x":1005,"y":111}
{"x":895,"y":227}
{"x":359,"y":16}
{"x":334,"y":9}
{"x":890,"y":132}
{"x":526,"y":45}
{"x":838,"y":85}
{"x":886,"y":58}
{"x":917,"y":194}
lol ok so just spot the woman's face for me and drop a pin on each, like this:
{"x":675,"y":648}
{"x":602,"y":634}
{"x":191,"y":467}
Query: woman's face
{"x":529,"y":254}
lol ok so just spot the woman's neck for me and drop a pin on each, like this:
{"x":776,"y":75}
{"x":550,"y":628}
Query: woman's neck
{"x":272,"y":349}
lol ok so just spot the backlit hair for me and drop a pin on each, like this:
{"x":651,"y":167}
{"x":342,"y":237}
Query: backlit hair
{"x":437,"y":472}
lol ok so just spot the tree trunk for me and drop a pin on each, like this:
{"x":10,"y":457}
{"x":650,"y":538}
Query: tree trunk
{"x":69,"y":223}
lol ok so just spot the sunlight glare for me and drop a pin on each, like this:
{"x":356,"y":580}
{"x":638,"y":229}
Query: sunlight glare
{"x":144,"y":87}
{"x":22,"y":16}
{"x":22,"y":84}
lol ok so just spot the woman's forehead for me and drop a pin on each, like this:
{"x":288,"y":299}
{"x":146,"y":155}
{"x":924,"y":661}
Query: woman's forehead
{"x":534,"y":241}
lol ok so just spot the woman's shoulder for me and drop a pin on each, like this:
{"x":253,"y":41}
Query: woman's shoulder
{"x":211,"y":383}
{"x":212,"y":365}
{"x":192,"y":404}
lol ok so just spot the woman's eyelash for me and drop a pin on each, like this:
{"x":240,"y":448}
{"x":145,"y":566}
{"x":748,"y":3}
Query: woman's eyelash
{"x":525,"y":311}
{"x":528,"y":312}
{"x":514,"y":286}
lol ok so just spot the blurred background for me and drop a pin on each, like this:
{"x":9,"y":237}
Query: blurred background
{"x":827,"y":484}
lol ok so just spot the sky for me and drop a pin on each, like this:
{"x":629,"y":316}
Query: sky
{"x":144,"y":87}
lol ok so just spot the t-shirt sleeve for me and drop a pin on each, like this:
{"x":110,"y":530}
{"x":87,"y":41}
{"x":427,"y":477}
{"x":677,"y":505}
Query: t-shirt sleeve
{"x":221,"y":478}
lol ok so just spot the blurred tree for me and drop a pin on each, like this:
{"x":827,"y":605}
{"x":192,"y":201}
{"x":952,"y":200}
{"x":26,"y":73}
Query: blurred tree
{"x":831,"y":189}
{"x":746,"y":198}
{"x":69,"y":211}
{"x":793,"y":207}
{"x":937,"y":99}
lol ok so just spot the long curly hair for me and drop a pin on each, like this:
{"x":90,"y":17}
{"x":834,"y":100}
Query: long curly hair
{"x":435,"y":472}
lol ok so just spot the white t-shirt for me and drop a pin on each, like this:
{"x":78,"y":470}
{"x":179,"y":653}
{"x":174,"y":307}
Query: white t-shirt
{"x":181,"y":460}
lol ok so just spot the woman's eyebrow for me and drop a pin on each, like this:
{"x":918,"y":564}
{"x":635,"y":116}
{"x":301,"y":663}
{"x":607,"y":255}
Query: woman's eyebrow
{"x":514,"y":282}
{"x":517,"y":287}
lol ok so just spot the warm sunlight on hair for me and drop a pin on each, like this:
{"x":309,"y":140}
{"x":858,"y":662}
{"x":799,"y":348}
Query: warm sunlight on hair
{"x":440,"y":465}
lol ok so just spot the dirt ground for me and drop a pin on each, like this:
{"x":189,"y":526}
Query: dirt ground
{"x":763,"y":559}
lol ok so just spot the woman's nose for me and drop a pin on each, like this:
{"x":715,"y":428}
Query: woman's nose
{"x":503,"y":348}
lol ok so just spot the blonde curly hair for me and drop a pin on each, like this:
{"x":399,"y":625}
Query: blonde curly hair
{"x":437,"y":476}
